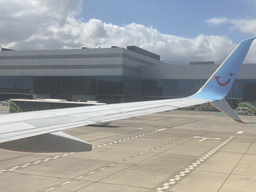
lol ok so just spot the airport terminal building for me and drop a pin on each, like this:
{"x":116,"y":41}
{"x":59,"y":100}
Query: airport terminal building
{"x":109,"y":75}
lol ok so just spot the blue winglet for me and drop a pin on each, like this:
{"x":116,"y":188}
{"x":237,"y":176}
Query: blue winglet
{"x":220,"y":83}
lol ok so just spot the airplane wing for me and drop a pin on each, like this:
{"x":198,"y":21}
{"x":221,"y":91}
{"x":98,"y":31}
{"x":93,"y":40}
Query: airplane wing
{"x":41,"y":131}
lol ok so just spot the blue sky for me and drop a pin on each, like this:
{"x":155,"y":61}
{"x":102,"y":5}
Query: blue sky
{"x":186,"y":18}
{"x":190,"y":30}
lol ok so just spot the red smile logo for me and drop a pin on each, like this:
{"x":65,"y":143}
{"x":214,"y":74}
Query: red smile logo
{"x":223,"y":84}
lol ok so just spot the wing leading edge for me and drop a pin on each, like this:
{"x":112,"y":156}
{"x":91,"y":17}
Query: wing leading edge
{"x":40,"y":131}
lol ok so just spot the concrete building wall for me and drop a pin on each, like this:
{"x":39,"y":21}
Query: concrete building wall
{"x":117,"y":75}
{"x":165,"y":71}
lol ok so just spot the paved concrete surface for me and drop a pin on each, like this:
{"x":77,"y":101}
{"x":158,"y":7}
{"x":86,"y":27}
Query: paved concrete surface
{"x":177,"y":151}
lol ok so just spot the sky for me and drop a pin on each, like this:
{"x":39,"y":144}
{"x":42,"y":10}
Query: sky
{"x":184,"y":30}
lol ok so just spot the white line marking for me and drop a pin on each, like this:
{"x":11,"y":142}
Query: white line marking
{"x":163,"y":129}
{"x":36,"y":162}
{"x":64,"y":154}
{"x":65,"y":183}
{"x":191,"y":167}
{"x":56,"y":157}
{"x":47,"y":159}
{"x":239,"y":132}
{"x":119,"y":161}
{"x":91,"y":173}
{"x":25,"y":165}
{"x":80,"y":177}
{"x":102,"y":168}
{"x":50,"y":189}
{"x":111,"y":165}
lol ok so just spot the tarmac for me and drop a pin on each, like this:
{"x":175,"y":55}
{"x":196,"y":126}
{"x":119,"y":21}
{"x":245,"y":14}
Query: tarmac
{"x":175,"y":151}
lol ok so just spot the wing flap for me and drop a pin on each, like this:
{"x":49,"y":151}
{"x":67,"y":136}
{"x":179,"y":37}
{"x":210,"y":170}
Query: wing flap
{"x":51,"y":142}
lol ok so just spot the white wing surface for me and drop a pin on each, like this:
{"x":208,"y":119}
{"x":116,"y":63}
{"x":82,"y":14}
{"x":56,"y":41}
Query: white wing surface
{"x":40,"y":131}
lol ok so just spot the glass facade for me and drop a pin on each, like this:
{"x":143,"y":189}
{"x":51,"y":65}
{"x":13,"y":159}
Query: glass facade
{"x":64,"y":86}
{"x":16,"y":84}
{"x":109,"y":85}
{"x":118,"y":87}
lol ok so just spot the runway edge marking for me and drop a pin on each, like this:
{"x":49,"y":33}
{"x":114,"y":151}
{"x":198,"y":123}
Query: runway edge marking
{"x":191,"y":167}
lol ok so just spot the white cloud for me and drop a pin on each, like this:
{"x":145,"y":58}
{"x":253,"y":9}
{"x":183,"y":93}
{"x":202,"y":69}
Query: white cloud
{"x":52,"y":24}
{"x":217,"y":21}
{"x":244,"y":25}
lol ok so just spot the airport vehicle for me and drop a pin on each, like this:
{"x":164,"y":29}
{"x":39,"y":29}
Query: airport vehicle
{"x":245,"y":109}
{"x":6,"y":103}
{"x":41,"y":131}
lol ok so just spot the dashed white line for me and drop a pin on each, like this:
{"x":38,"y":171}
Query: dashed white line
{"x":25,"y":165}
{"x":166,"y":186}
{"x":80,"y":177}
{"x":13,"y":168}
{"x":56,"y":157}
{"x":65,"y":183}
{"x":191,"y":167}
{"x":50,"y":189}
{"x":47,"y":159}
{"x":36,"y":162}
{"x":239,"y":132}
